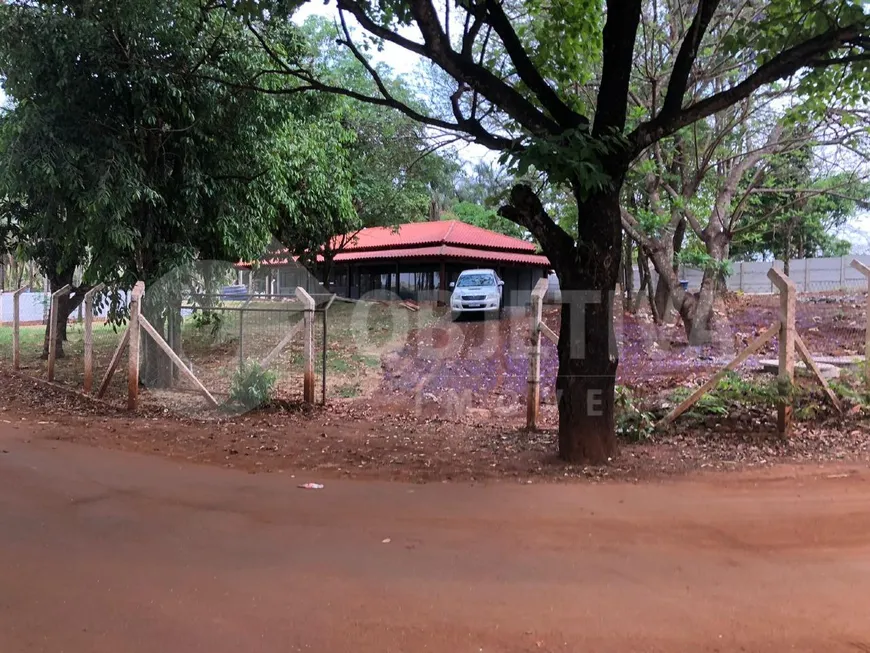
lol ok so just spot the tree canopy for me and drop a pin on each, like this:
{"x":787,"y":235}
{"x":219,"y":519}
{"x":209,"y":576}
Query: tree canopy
{"x":122,"y":129}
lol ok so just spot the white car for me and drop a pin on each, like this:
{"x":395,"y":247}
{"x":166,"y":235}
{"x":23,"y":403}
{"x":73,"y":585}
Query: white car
{"x":476,"y":291}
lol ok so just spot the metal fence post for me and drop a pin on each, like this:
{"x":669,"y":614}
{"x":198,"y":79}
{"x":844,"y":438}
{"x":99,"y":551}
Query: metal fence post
{"x":533,"y":400}
{"x":865,"y":270}
{"x":323,"y":380}
{"x":242,"y":338}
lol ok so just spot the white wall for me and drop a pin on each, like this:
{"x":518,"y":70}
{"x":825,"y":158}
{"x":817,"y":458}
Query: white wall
{"x":809,"y":275}
{"x":34,"y":307}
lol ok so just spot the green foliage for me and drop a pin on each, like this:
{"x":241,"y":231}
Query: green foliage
{"x":481,"y":216}
{"x":348,"y":390}
{"x":392,"y":174}
{"x":208,"y":321}
{"x":573,"y":158}
{"x":252,"y":386}
{"x":734,"y":390}
{"x":697,"y":257}
{"x":800,"y":220}
{"x":633,"y":423}
{"x":134,"y":144}
{"x":565,"y":42}
{"x":851,"y":387}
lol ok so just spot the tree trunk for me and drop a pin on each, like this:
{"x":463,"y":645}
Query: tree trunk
{"x":662,"y":298}
{"x":587,"y":345}
{"x":664,"y":301}
{"x":66,"y":304}
{"x":628,"y":272}
{"x":156,"y":368}
{"x":684,"y":302}
{"x":588,"y":272}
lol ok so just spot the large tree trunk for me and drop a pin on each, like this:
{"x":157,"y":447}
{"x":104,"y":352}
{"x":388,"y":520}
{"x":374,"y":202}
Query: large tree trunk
{"x":588,"y":271}
{"x":696,"y":311}
{"x":587,"y":346}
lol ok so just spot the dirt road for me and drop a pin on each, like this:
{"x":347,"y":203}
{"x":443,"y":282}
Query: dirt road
{"x":105,"y":551}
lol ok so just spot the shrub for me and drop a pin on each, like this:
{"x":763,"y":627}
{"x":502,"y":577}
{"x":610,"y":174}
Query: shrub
{"x":252,"y":386}
{"x":206,"y":320}
{"x":632,"y":423}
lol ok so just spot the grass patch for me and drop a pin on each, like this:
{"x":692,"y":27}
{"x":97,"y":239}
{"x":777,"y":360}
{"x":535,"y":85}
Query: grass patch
{"x":30,"y":336}
{"x":348,"y":390}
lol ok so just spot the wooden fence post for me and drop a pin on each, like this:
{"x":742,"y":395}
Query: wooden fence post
{"x":16,"y":329}
{"x":533,"y":400}
{"x":89,"y":336}
{"x":863,"y":269}
{"x":787,"y":309}
{"x":307,"y":343}
{"x":133,"y":346}
{"x":52,"y":329}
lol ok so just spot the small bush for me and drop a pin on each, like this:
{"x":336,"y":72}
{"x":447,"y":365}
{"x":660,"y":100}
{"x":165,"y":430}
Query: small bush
{"x":252,"y":386}
{"x":632,"y":423}
{"x":733,"y":391}
{"x":851,"y":388}
{"x":210,"y":321}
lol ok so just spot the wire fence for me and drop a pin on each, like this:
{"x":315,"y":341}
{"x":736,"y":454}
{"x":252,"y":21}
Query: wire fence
{"x":69,"y":364}
{"x":411,"y":356}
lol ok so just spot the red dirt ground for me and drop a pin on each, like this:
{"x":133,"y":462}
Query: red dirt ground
{"x":106,"y":551}
{"x":360,"y":440}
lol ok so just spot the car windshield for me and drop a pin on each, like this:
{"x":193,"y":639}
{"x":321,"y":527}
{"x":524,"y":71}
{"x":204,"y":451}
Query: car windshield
{"x":475,"y":280}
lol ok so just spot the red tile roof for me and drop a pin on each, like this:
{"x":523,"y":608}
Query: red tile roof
{"x":449,"y":239}
{"x":447,"y":232}
{"x":444,"y":251}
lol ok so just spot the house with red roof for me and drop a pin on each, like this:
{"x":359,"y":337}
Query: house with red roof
{"x":415,"y":261}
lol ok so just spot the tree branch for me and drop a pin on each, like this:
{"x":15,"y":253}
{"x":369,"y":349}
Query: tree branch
{"x":783,"y":65}
{"x":690,"y":216}
{"x":525,"y":209}
{"x":632,"y":227}
{"x":864,"y":203}
{"x":528,"y":73}
{"x":679,"y":80}
{"x":437,"y":48}
{"x":620,"y":31}
{"x":471,"y":127}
